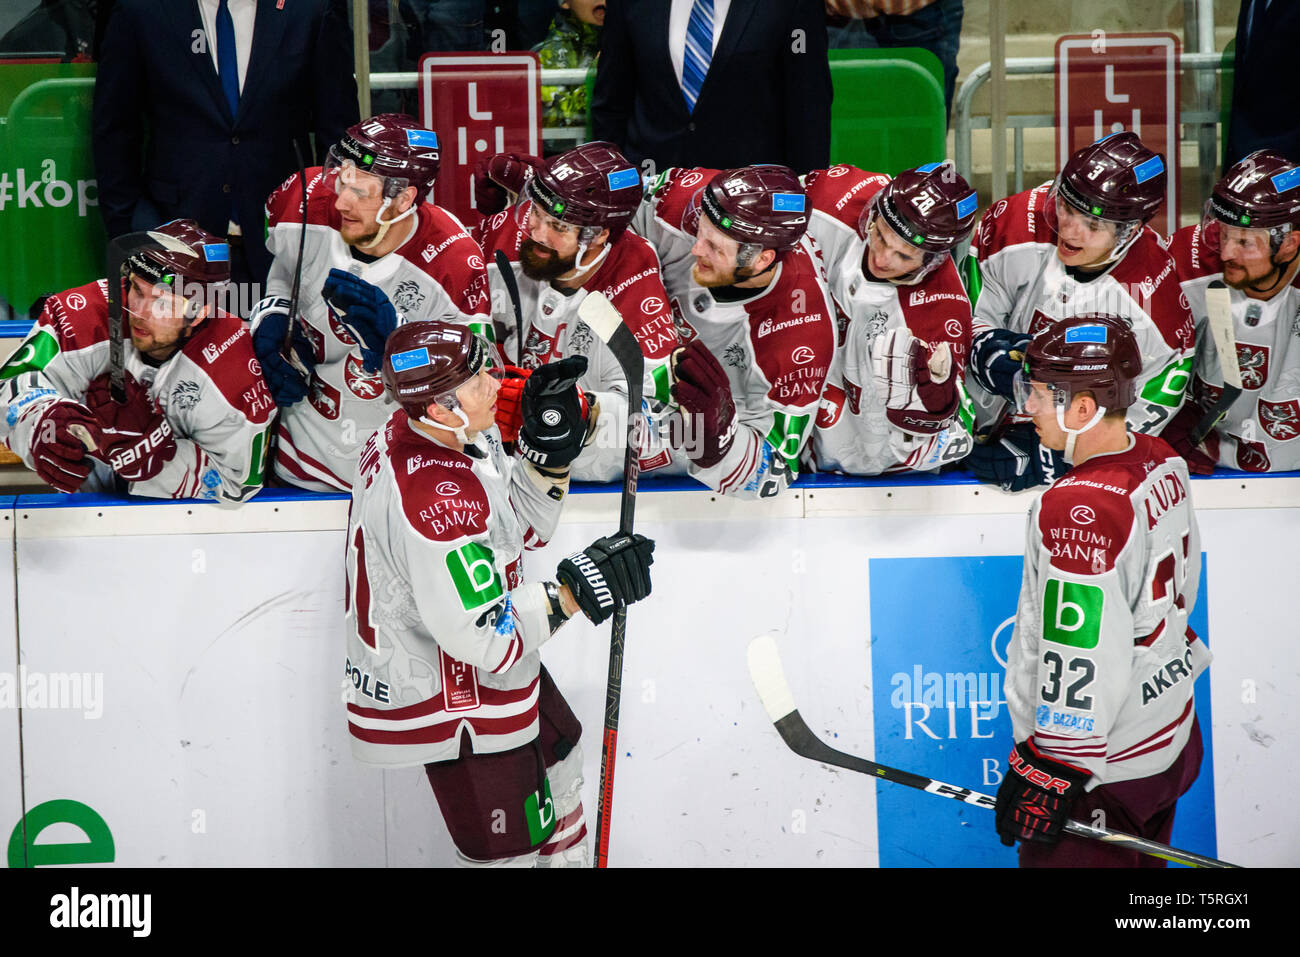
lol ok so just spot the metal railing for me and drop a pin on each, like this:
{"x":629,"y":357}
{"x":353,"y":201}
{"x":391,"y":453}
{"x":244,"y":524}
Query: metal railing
{"x":964,"y":124}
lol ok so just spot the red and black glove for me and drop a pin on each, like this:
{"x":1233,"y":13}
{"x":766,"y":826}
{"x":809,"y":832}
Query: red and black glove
{"x":553,"y":414}
{"x":137,"y":441}
{"x":509,"y":397}
{"x":1201,"y":459}
{"x":58,"y":448}
{"x":704,"y":394}
{"x":1033,"y":802}
{"x":499,"y":179}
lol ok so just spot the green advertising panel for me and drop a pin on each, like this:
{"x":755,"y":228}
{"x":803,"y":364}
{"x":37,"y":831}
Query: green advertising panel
{"x":51,"y":232}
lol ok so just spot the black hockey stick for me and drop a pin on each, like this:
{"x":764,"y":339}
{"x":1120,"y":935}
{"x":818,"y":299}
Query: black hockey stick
{"x":769,"y":678}
{"x":286,"y":349}
{"x":1218,"y":305}
{"x":512,"y":287}
{"x":605,"y":321}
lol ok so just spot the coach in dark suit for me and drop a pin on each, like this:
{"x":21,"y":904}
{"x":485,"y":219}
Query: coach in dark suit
{"x":762,"y":94}
{"x":176,"y":137}
{"x":1265,"y":107}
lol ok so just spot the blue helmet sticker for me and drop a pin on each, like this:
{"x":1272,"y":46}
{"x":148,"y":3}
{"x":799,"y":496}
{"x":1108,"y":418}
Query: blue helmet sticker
{"x":928,"y":167}
{"x":623,"y":178}
{"x":967,"y":205}
{"x":422,"y":139}
{"x":1106,"y":137}
{"x":788,"y":203}
{"x":1152,"y":167}
{"x":1288,"y":180}
{"x":216,"y":252}
{"x":1087,"y":334}
{"x":410,"y":359}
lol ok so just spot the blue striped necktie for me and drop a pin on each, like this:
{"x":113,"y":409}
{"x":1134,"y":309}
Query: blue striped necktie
{"x":699,"y":50}
{"x":227,"y":59}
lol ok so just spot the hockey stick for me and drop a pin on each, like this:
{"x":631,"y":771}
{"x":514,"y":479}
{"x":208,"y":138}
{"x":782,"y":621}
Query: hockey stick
{"x":1218,"y":304}
{"x":286,"y":349}
{"x":605,"y":321}
{"x":769,"y":678}
{"x":512,"y":287}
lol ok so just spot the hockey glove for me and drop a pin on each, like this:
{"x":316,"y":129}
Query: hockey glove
{"x":608,"y":574}
{"x":1201,"y":459}
{"x":498,"y":180}
{"x":136,"y":439}
{"x":270,"y":322}
{"x":1016,"y":461}
{"x":509,"y":411}
{"x":58,"y":452}
{"x":996,"y":356}
{"x":364,"y":311}
{"x":916,"y":382}
{"x":553,"y":412}
{"x":704,"y":394}
{"x":1034,"y":799}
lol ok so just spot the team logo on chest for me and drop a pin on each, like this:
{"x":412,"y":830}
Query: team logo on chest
{"x":1254,"y":365}
{"x":1281,"y":420}
{"x":407,"y":296}
{"x":539,"y":347}
{"x":876,"y":324}
{"x":1251,"y":456}
{"x":581,"y":339}
{"x":186,"y":396}
{"x":316,"y":338}
{"x":734,"y":356}
{"x":324,"y":398}
{"x":336,"y":327}
{"x":1039,"y":322}
{"x":359,"y":382}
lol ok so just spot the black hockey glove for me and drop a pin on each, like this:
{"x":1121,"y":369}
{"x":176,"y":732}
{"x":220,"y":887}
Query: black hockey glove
{"x":996,"y":357}
{"x":554,"y":414}
{"x":364,"y":311}
{"x":1017,"y":461}
{"x":270,"y":322}
{"x":1034,"y":799}
{"x":608,"y":574}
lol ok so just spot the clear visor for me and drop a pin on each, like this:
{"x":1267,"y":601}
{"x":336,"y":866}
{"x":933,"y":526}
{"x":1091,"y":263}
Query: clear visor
{"x":479,"y":387}
{"x":1238,"y":241}
{"x":537,"y":223}
{"x":1036,"y":398}
{"x":342,"y":176}
{"x":893,"y":253}
{"x":1078,"y":224}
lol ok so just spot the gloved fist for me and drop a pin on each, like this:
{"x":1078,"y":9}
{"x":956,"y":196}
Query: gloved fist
{"x":608,"y":574}
{"x":499,"y":179}
{"x":362,"y":309}
{"x":1016,"y":461}
{"x":996,"y":357}
{"x":1201,"y":459}
{"x":553,"y":413}
{"x":58,"y":449}
{"x":288,"y":382}
{"x":1033,"y":802}
{"x":135,"y":439}
{"x":510,"y":415}
{"x":704,"y":395}
{"x":916,"y":382}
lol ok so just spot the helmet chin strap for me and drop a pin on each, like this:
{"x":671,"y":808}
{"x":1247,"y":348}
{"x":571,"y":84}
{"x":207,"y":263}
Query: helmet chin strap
{"x":460,"y":431}
{"x":1072,"y":434}
{"x":577,"y":272}
{"x":384,"y":224}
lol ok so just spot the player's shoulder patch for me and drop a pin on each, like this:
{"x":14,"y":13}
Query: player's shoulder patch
{"x":222,"y":350}
{"x":1149,"y":274}
{"x":1014,"y":221}
{"x":792,"y":331}
{"x":284,"y":205}
{"x":1086,"y":518}
{"x":499,"y":231}
{"x":843,"y":191}
{"x":630,"y":278}
{"x":441,"y":497}
{"x":938,"y":307}
{"x":1193,"y":259}
{"x":674,"y":194}
{"x":78,"y":318}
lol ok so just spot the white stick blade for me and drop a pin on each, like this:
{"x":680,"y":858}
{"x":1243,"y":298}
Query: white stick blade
{"x":1218,"y":306}
{"x":597,"y":312}
{"x":769,"y":677}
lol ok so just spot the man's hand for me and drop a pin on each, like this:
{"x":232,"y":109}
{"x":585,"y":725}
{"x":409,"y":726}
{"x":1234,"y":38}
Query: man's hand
{"x":996,"y":357}
{"x":270,"y":322}
{"x":1016,"y":461}
{"x":58,"y":445}
{"x":364,"y":311}
{"x":1034,"y":799}
{"x":553,"y":414}
{"x":609,"y":574}
{"x":704,"y":394}
{"x":136,"y":440}
{"x":1201,"y":459}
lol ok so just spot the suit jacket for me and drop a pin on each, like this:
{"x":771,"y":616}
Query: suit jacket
{"x":165,"y":143}
{"x":1264,"y":104}
{"x":766,"y":97}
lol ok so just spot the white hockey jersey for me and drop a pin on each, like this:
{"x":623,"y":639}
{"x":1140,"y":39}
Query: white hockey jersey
{"x":776,"y":344}
{"x":441,"y":633}
{"x":1022,"y":285}
{"x":1101,"y":664}
{"x":1261,"y":432}
{"x":438,"y":273}
{"x":629,"y":277}
{"x":210,"y":390}
{"x":864,"y":440}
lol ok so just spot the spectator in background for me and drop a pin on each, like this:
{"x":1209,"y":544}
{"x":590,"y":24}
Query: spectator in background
{"x":573,"y":42}
{"x":198,"y":104}
{"x":1264,"y":109}
{"x":933,"y":25}
{"x":715,"y":83}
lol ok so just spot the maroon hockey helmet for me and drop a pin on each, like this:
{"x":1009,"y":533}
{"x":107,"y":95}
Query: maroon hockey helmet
{"x":393,"y":146}
{"x":428,"y":360}
{"x":761,"y":207}
{"x":1093,"y":352}
{"x":931,"y":208}
{"x":1116,"y":179}
{"x":182,"y":250}
{"x":1259,"y":192}
{"x":591,"y":186}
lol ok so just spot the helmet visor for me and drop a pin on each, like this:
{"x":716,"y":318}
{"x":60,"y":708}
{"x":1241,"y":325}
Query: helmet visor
{"x":1036,"y":398}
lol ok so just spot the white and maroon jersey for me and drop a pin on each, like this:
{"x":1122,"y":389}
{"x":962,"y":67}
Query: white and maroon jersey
{"x":1023,"y":286}
{"x":1261,"y":432}
{"x":210,"y":391}
{"x":853,"y":433}
{"x":1101,"y":664}
{"x":776,"y":344}
{"x":438,"y":273}
{"x":442,"y":635}
{"x":629,"y":278}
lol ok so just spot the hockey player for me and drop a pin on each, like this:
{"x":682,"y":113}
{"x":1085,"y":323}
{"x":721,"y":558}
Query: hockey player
{"x":1101,"y":664}
{"x":197,"y":416}
{"x":1248,"y":239}
{"x":443,"y":635}
{"x":751,"y":304}
{"x":375,"y":252}
{"x":1077,"y":245}
{"x":905,"y":319}
{"x":565,"y":237}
